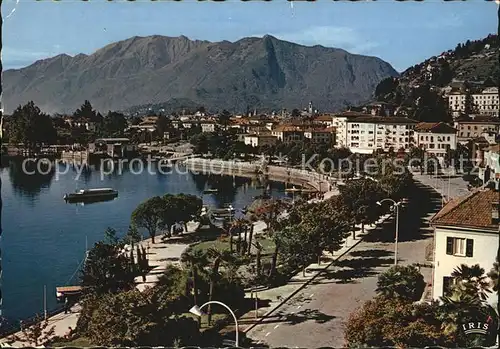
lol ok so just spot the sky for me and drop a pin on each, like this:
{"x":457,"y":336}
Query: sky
{"x":401,"y":33}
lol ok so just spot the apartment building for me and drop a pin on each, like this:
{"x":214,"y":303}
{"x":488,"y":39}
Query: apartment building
{"x":208,"y":126}
{"x":339,"y":122}
{"x":435,"y":137}
{"x":475,"y":125}
{"x":465,"y":232}
{"x":485,"y":102}
{"x":366,"y":134}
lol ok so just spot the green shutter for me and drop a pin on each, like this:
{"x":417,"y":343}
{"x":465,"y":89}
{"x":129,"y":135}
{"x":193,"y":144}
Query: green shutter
{"x":449,"y":245}
{"x":469,"y":248}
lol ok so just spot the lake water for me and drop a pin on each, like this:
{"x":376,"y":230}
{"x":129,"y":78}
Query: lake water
{"x":44,"y":238}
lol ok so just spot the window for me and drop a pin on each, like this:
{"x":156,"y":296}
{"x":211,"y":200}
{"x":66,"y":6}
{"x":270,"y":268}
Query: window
{"x":459,"y":246}
{"x":448,"y":281}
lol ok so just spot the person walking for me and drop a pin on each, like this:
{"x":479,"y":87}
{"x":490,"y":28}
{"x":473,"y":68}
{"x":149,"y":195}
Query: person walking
{"x":66,"y":305}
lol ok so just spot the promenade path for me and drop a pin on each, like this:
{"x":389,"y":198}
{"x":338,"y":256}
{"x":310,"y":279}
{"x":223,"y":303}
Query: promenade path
{"x":312,"y":314}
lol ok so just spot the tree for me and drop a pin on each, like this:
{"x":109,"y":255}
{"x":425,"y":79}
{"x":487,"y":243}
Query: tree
{"x":136,"y":318}
{"x":401,"y":282}
{"x":87,"y":112}
{"x":361,"y":198}
{"x":493,"y":275}
{"x":196,"y":260}
{"x":386,"y":322}
{"x":29,"y":126}
{"x":469,"y":106}
{"x":296,"y":113}
{"x":162,"y":125}
{"x":150,"y":215}
{"x":474,"y":278}
{"x":114,"y":123}
{"x":106,"y":269}
{"x":224,"y":118}
{"x":269,"y":212}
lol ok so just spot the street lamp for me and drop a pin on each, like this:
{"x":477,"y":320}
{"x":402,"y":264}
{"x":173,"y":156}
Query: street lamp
{"x":395,"y":204}
{"x":196,"y":310}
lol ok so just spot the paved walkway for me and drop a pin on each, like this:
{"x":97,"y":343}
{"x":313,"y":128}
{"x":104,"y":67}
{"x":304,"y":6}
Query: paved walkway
{"x":315,"y":315}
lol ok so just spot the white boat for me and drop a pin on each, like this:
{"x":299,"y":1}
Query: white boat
{"x":91,"y":194}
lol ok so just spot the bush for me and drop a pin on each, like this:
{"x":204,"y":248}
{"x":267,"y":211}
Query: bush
{"x":401,"y":282}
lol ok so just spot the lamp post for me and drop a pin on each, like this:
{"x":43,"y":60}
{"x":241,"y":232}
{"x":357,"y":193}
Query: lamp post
{"x":396,"y":205}
{"x":196,"y":310}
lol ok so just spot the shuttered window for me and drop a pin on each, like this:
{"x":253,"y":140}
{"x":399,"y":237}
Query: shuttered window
{"x":459,"y":247}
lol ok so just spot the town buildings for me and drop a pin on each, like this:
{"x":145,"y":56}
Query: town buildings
{"x":367,"y":134}
{"x":466,"y":231}
{"x":474,"y":126}
{"x":485,"y":102}
{"x":435,"y":137}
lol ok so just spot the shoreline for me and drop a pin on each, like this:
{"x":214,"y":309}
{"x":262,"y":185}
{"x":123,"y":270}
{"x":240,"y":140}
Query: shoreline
{"x":309,"y":180}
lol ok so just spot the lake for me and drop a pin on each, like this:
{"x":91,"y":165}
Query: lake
{"x":44,"y":238}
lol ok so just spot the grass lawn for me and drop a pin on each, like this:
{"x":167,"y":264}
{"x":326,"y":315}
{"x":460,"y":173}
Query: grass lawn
{"x":223,"y":244}
{"x":77,"y":342}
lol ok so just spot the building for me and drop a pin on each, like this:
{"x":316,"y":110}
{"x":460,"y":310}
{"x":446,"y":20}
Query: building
{"x":114,"y":147}
{"x":320,"y":135}
{"x":435,"y":137}
{"x":474,"y":126}
{"x":485,"y":102}
{"x":256,"y":140}
{"x":324,"y":119}
{"x":208,"y":126}
{"x":339,"y":122}
{"x":466,"y":231}
{"x":366,"y":134}
{"x":288,"y":133}
{"x":489,"y":169}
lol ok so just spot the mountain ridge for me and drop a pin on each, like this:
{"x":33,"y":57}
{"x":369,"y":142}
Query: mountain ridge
{"x":251,"y":72}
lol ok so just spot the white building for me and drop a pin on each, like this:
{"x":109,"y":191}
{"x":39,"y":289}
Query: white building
{"x":466,"y":231}
{"x":366,"y":134}
{"x":320,"y":135}
{"x":435,"y":137}
{"x":208,"y":126}
{"x":485,"y":102}
{"x":256,"y":140}
{"x":288,"y":133}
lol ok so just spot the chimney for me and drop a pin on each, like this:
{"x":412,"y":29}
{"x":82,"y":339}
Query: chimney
{"x":494,"y":213}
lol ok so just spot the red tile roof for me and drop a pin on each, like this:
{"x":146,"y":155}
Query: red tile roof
{"x":434,"y":127}
{"x":471,"y":211}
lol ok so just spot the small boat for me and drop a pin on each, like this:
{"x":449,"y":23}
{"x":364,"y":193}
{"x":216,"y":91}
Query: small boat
{"x":210,"y":191}
{"x":91,"y":194}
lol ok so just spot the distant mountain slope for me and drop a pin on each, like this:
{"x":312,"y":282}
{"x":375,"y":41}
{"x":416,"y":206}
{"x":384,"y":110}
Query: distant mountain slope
{"x":418,"y":91}
{"x":255,"y":72}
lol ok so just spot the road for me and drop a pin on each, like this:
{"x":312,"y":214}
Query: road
{"x":452,"y":186}
{"x":315,"y":317}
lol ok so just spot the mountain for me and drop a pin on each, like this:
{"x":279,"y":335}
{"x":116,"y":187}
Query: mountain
{"x":418,"y":92}
{"x":255,"y":72}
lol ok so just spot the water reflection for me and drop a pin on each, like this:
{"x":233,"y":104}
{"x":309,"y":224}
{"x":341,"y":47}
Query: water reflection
{"x":30,"y":180}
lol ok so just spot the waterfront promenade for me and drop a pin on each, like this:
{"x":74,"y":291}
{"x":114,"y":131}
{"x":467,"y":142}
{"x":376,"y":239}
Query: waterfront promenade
{"x":160,"y":254}
{"x":163,"y":253}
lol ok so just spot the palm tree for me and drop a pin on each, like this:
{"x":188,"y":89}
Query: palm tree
{"x":196,"y":260}
{"x":473,"y":276}
{"x":403,"y":282}
{"x":218,"y":258}
{"x":493,"y":275}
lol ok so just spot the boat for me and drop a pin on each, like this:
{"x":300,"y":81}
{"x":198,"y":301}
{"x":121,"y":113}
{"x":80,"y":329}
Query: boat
{"x":91,"y":194}
{"x":210,"y":191}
